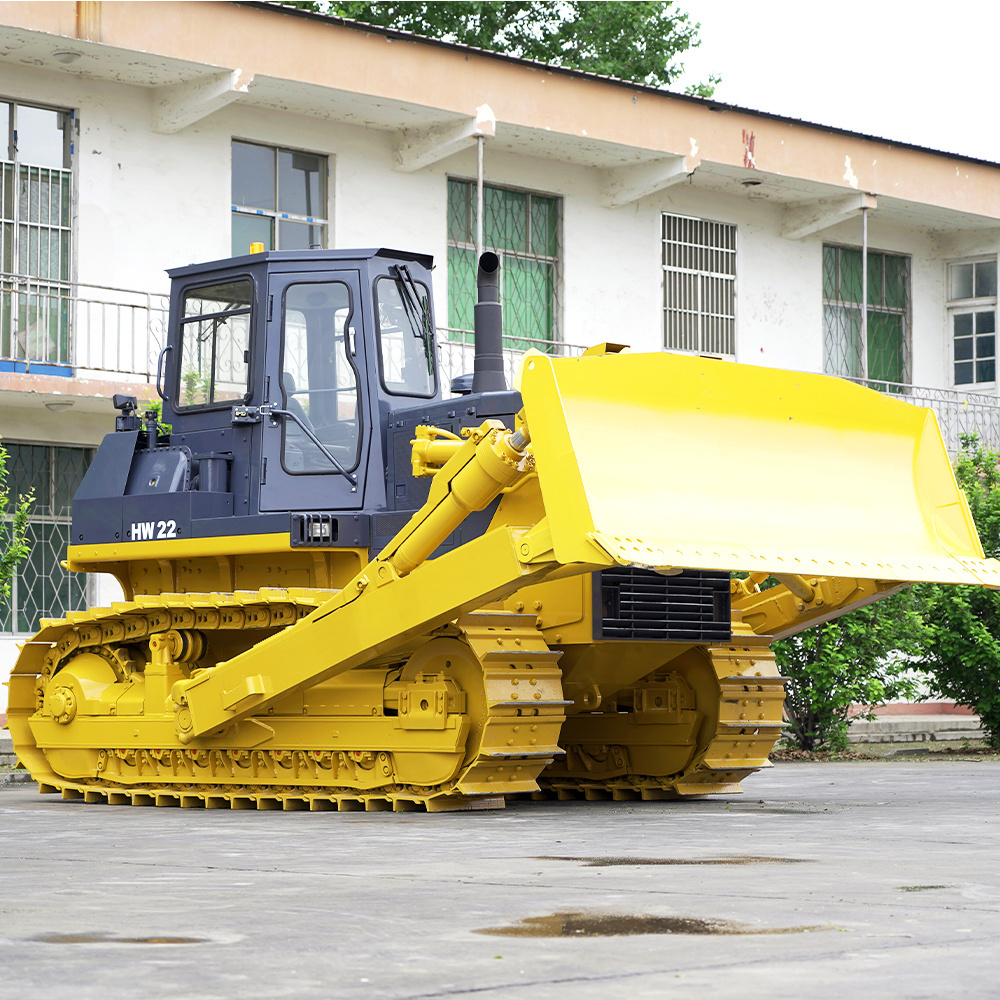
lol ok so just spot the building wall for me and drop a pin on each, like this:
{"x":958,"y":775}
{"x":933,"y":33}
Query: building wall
{"x":147,"y":202}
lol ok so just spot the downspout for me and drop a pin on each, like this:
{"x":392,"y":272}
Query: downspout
{"x":864,"y":292}
{"x":480,"y":143}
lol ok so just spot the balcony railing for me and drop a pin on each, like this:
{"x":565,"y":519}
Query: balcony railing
{"x":70,"y":328}
{"x":455,"y":353}
{"x":958,"y":412}
{"x":97,"y":331}
{"x":100,"y":331}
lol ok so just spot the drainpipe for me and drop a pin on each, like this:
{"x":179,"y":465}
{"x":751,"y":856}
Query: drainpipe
{"x":480,"y":143}
{"x":864,"y":292}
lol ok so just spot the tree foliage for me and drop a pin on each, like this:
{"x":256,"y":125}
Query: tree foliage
{"x":13,"y":527}
{"x":950,"y":634}
{"x":638,"y":41}
{"x":862,"y":658}
{"x":962,"y":649}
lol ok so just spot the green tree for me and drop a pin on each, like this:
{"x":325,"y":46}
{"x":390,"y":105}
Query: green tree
{"x":863,"y":658}
{"x":13,"y":528}
{"x":963,"y":623}
{"x":638,"y":41}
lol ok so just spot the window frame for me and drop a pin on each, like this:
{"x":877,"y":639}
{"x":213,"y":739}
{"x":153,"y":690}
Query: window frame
{"x":466,"y":336}
{"x":35,"y":304}
{"x":905,"y":312}
{"x":276,"y":215}
{"x":69,"y":120}
{"x":701,"y":313}
{"x":971,"y":306}
{"x":182,"y":321}
{"x":378,"y":336}
{"x":10,"y":605}
{"x":359,"y":382}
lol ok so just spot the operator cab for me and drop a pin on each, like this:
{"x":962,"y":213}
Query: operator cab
{"x":292,"y":383}
{"x":305,"y":351}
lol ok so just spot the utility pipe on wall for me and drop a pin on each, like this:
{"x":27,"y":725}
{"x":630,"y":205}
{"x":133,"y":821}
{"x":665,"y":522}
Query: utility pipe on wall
{"x":864,"y":292}
{"x":480,"y":143}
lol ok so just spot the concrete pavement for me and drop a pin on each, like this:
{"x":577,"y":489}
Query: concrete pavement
{"x":823,"y":880}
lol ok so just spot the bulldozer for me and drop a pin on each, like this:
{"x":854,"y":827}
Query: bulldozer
{"x":346,"y":589}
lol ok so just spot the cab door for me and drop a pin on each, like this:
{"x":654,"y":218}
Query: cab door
{"x":316,"y":434}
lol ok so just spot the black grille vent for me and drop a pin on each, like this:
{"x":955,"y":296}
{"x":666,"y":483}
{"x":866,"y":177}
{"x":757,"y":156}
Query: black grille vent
{"x":389,"y":524}
{"x":314,"y":529}
{"x":640,"y":604}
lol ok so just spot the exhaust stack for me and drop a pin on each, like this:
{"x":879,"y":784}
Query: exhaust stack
{"x":488,"y":370}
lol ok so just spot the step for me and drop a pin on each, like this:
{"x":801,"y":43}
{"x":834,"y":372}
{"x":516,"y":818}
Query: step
{"x":8,"y":760}
{"x":916,"y":729}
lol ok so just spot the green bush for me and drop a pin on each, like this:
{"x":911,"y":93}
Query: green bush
{"x":962,"y":645}
{"x":863,"y":658}
{"x":13,"y":526}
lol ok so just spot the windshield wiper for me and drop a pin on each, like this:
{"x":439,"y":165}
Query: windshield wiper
{"x":415,"y":307}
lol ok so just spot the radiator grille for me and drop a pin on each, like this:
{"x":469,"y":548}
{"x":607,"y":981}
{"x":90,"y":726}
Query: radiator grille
{"x":640,"y":604}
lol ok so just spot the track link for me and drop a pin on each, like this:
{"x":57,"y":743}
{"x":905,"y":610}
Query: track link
{"x":747,"y":723}
{"x":488,"y":684}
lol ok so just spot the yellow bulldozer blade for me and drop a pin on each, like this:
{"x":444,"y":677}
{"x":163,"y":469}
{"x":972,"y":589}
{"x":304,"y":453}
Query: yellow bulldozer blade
{"x":673,"y":461}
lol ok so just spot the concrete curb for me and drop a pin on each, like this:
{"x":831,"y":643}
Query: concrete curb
{"x":917,"y":729}
{"x":8,"y":759}
{"x":15,"y":778}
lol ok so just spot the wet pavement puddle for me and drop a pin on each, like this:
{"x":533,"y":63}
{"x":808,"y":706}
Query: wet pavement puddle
{"x":622,"y":924}
{"x":98,"y":937}
{"x":739,"y":859}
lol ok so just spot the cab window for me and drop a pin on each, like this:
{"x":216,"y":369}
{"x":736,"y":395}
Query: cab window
{"x":215,"y":345}
{"x":405,"y":338}
{"x":319,"y":384}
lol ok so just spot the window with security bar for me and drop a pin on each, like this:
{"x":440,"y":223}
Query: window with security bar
{"x":35,"y":238}
{"x":278,"y":198}
{"x":699,"y":286}
{"x":523,"y":229}
{"x":972,"y":310}
{"x":888,"y":334}
{"x":42,"y":588}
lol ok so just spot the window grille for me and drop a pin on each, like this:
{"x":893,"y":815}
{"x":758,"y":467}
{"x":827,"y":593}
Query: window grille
{"x":888,"y":315}
{"x":35,"y":239}
{"x":972,"y":308}
{"x":42,"y":588}
{"x":699,"y":286}
{"x":278,"y":198}
{"x":523,"y":229}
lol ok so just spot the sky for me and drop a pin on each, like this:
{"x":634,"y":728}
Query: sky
{"x":887,"y":68}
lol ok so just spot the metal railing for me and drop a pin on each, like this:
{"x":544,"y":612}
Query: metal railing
{"x":87,"y":330}
{"x":72,"y":328}
{"x":456,"y":351}
{"x":958,"y":412}
{"x":99,"y":330}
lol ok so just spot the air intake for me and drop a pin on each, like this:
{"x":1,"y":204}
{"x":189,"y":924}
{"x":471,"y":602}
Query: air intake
{"x":488,"y":375}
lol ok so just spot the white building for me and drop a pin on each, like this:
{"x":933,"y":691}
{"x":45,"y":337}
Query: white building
{"x":142,"y":136}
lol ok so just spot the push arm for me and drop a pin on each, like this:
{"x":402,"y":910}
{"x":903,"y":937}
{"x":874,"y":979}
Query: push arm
{"x":796,"y":603}
{"x":398,"y":596}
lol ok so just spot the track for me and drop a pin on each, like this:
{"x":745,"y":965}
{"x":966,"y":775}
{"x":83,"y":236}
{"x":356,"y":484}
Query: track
{"x":460,"y":719}
{"x":704,"y":723}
